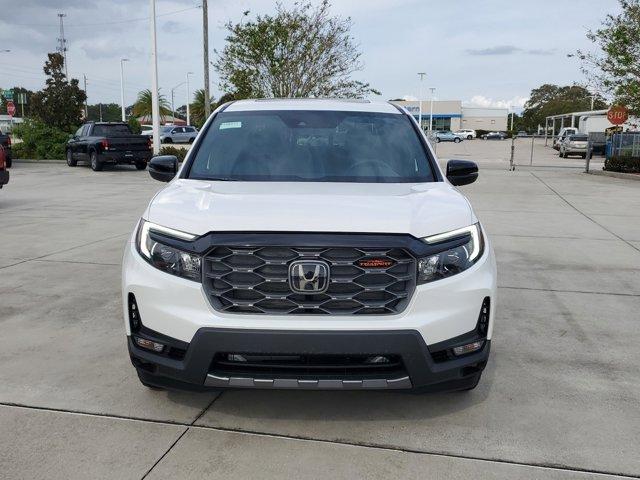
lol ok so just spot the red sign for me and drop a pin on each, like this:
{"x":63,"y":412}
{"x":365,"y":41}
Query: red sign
{"x":618,"y":115}
{"x":11,"y":108}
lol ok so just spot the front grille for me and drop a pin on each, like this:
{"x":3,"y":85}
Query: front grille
{"x":301,"y":366}
{"x":255,"y":280}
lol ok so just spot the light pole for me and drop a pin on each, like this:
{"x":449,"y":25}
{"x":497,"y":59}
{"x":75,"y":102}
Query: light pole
{"x":433,"y":89}
{"x":155,"y":104}
{"x":421,"y":75}
{"x":188,"y":98}
{"x":205,"y":41}
{"x":122,"y":60}
{"x":512,"y":114}
{"x":173,"y":110}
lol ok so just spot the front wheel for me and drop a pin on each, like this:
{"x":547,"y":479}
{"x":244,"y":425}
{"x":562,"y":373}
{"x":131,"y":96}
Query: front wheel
{"x":96,"y":164}
{"x":70,"y":161}
{"x":141,"y":165}
{"x":437,"y":140}
{"x":456,"y":140}
{"x":167,"y":140}
{"x":469,"y":137}
{"x":191,"y":140}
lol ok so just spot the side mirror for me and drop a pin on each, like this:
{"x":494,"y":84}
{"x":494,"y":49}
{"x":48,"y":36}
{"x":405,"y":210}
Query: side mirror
{"x":163,"y":168}
{"x":462,"y":172}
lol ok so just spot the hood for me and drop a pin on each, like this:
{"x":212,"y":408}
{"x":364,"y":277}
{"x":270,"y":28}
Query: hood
{"x":199,"y":207}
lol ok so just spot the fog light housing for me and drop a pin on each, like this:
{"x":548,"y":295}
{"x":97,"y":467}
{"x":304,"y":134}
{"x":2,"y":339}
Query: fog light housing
{"x":149,"y":344}
{"x":468,"y":348}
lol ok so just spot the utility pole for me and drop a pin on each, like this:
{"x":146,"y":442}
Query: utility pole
{"x":122,"y":60}
{"x":512,"y":114}
{"x":593,"y":97}
{"x":421,"y":75}
{"x":155,"y":104}
{"x":173,"y":110}
{"x":100,"y":107}
{"x":205,"y":39}
{"x":62,"y":44}
{"x":86,"y":98}
{"x":433,"y":89}
{"x":188,"y":99}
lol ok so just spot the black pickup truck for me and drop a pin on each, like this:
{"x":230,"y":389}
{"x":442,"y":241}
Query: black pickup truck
{"x":101,"y":143}
{"x":5,"y":142}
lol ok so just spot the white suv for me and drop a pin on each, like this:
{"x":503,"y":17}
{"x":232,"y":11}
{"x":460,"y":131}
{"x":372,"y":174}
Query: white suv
{"x":310,"y":244}
{"x":466,"y":134}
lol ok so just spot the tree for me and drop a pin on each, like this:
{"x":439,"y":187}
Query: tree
{"x":143,"y":108}
{"x":60,"y":103}
{"x":196,"y":108}
{"x":105,"y":112}
{"x":302,"y":52}
{"x":616,"y":68}
{"x":553,"y":100}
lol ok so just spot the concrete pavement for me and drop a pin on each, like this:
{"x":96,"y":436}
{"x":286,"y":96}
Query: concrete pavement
{"x":559,"y":398}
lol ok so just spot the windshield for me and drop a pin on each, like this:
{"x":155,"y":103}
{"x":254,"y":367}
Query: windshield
{"x":579,"y":138}
{"x":111,"y":130}
{"x":312,"y":146}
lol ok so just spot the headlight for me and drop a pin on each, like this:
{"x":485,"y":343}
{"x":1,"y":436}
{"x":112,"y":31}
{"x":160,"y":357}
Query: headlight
{"x":164,"y":257}
{"x":454,"y":260}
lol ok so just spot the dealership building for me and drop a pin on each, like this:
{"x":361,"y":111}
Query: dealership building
{"x":451,"y":115}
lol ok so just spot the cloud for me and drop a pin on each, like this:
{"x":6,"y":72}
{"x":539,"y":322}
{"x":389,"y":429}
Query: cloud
{"x":509,"y":50}
{"x":107,"y":48}
{"x":172,"y":26}
{"x":516,"y":102}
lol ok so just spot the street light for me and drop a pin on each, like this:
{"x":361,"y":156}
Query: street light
{"x":433,"y":89}
{"x":421,"y":75}
{"x":122,"y":60}
{"x":155,"y":104}
{"x":173,"y":111}
{"x":188,"y":98}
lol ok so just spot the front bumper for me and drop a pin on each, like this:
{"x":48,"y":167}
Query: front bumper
{"x":197,"y":370}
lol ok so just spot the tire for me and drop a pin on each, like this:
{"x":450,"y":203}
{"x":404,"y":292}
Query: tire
{"x":456,"y":140}
{"x":8,"y":162}
{"x":96,"y":163}
{"x":141,"y":165}
{"x":191,"y":140}
{"x":469,"y":137}
{"x":167,"y":140}
{"x":584,"y":155}
{"x":437,"y":140}
{"x":70,"y":161}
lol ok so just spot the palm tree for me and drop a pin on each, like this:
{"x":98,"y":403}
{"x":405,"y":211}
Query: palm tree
{"x":142,"y":107}
{"x":197,"y":108}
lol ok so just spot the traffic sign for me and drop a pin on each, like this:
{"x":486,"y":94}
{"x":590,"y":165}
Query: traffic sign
{"x":11,"y":109}
{"x":618,"y":114}
{"x":7,"y":94}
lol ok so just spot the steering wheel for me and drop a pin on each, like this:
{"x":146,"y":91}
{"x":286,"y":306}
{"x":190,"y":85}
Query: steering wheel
{"x":376,"y":167}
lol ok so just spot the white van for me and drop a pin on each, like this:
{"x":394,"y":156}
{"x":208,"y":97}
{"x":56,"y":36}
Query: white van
{"x":564,"y":133}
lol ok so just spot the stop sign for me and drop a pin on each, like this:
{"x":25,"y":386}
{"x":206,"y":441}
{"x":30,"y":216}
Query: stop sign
{"x":11,"y":109}
{"x":618,"y":115}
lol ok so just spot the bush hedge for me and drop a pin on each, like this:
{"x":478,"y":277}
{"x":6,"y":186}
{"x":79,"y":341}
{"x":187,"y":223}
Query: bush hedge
{"x":180,"y":153}
{"x":39,"y":141}
{"x":622,"y":164}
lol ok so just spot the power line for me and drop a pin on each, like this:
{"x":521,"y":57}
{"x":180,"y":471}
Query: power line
{"x":116,"y":22}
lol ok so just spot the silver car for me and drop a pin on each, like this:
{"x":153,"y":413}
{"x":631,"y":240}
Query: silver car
{"x":574,"y":145}
{"x":176,"y":134}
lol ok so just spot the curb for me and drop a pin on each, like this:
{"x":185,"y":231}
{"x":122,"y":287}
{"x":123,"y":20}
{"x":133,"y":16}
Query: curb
{"x":604,"y":173}
{"x":29,"y":160}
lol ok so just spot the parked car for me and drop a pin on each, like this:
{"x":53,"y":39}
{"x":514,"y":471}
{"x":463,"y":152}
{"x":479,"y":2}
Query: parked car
{"x":259,"y":265}
{"x":446,"y":136}
{"x":494,"y":136}
{"x":101,"y":143}
{"x":5,"y":142}
{"x":522,"y":133}
{"x":564,"y":133}
{"x":176,"y":134}
{"x":466,"y":134}
{"x":574,"y":145}
{"x":146,"y":130}
{"x":4,"y":173}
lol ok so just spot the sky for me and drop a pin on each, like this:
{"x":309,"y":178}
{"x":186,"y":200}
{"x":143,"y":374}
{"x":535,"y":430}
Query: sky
{"x":488,"y":53}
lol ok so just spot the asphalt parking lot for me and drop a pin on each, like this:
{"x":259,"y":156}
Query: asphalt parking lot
{"x":559,"y":399}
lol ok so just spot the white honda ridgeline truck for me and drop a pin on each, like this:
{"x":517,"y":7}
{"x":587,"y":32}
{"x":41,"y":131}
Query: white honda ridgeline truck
{"x":309,"y":244}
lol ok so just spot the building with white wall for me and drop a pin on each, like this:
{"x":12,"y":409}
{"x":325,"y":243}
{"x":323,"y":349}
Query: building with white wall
{"x":451,"y":115}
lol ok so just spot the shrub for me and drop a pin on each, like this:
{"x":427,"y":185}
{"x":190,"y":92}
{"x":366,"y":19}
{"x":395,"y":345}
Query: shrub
{"x":622,"y":164}
{"x":134,"y":125}
{"x":180,"y":153}
{"x":39,"y":141}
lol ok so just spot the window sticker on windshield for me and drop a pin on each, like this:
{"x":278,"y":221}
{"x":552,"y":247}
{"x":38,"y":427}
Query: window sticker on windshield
{"x":225,"y":125}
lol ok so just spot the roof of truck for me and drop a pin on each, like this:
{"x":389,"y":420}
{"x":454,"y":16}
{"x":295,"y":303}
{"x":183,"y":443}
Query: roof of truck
{"x":335,"y":104}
